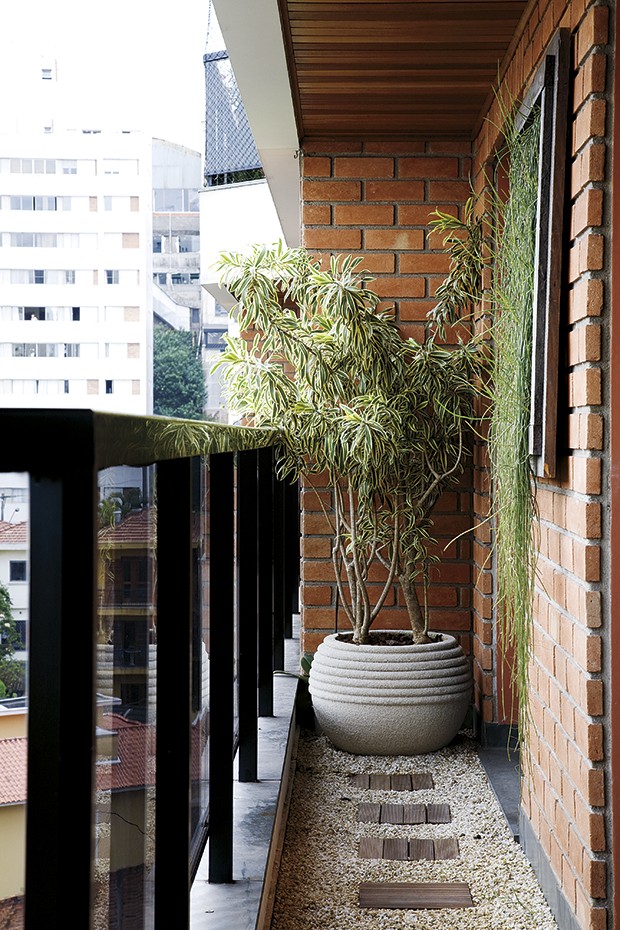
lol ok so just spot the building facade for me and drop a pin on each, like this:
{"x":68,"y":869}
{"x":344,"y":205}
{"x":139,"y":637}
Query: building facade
{"x":75,"y":224}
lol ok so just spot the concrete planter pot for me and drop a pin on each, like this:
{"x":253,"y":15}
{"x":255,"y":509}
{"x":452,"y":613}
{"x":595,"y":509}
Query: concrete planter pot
{"x":390,"y":700}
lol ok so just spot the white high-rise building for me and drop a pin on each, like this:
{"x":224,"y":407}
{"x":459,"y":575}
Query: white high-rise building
{"x":76,"y":270}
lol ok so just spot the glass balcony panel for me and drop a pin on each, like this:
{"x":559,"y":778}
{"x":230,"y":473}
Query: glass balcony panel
{"x":14,"y":607}
{"x":200,"y":659}
{"x":126,"y":663}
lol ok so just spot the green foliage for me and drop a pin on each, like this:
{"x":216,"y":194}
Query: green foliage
{"x":178,"y":378}
{"x":12,"y":673}
{"x":513,"y":486}
{"x":509,"y":250}
{"x":9,"y":636}
{"x":384,"y":419}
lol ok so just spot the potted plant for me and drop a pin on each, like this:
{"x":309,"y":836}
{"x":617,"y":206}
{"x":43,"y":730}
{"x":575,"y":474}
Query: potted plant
{"x":384,"y":421}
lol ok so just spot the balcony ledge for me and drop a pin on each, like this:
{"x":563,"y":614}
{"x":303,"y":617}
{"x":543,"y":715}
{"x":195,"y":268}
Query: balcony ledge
{"x":260,"y":811}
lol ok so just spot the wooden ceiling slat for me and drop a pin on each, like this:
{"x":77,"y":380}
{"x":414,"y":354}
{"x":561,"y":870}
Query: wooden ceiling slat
{"x":383,"y":66}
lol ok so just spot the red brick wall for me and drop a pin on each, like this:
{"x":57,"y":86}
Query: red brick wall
{"x":376,"y":200}
{"x":564,"y":791}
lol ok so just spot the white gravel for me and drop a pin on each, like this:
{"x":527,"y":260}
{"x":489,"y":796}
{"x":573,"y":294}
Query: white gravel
{"x":320,"y":871}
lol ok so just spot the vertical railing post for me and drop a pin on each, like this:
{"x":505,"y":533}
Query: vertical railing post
{"x":265,"y":582}
{"x":293,"y":554}
{"x":221,"y":665}
{"x":61,"y":696}
{"x":279,"y":574}
{"x":247,"y":594}
{"x":173,"y":752}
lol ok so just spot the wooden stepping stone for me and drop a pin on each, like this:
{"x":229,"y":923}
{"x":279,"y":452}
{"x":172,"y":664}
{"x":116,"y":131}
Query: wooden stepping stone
{"x":396,"y":848}
{"x":391,"y":813}
{"x":414,"y":813}
{"x":438,"y":813}
{"x":377,"y":847}
{"x":371,"y":847}
{"x":403,"y":813}
{"x":421,"y":849}
{"x":419,"y":781}
{"x":415,"y":895}
{"x":369,"y":813}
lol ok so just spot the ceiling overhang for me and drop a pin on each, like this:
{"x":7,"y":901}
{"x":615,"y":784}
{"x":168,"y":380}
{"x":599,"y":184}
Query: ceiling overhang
{"x":363,"y":69}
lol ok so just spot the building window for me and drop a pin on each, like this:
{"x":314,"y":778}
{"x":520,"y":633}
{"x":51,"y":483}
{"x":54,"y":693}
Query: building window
{"x":215,"y":339}
{"x":131,"y":240}
{"x":75,"y":314}
{"x":39,"y":276}
{"x":157,"y":242}
{"x":17,"y":571}
{"x":109,"y":385}
{"x":46,"y":74}
{"x":111,"y":276}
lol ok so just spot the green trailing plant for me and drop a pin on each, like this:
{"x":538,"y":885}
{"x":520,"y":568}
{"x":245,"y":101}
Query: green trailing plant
{"x":507,"y":248}
{"x":512,"y":476}
{"x":384,"y":420}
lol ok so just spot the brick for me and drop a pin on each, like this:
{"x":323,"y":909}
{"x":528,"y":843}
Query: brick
{"x":593,"y":31}
{"x":415,"y":214}
{"x":317,"y":215}
{"x":586,"y":475}
{"x":449,"y":191}
{"x":585,"y":299}
{"x":425,"y":263}
{"x":397,"y":240}
{"x":363,"y":167}
{"x":448,"y":147}
{"x":332,"y":239}
{"x":394,"y":191}
{"x":314,"y":166}
{"x":400,"y":287}
{"x":585,"y":387}
{"x":587,"y":211}
{"x":591,"y":253}
{"x":589,"y":123}
{"x":331,"y":191}
{"x":584,"y":344}
{"x":364,"y":215}
{"x":425,"y":168}
{"x":316,"y":547}
{"x":595,"y":877}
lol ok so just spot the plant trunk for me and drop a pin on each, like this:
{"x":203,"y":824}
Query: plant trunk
{"x":412,"y":602}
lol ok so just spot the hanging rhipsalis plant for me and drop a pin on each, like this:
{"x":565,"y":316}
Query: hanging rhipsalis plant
{"x":512,"y":476}
{"x":508,"y":250}
{"x":384,"y":420}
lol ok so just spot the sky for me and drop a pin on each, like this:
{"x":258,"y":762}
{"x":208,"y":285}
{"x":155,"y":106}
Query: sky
{"x":123,"y":64}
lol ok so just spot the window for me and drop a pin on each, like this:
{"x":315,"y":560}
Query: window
{"x":550,"y":91}
{"x":215,"y":339}
{"x":46,"y":74}
{"x":72,"y":350}
{"x":109,"y":387}
{"x":157,"y":243}
{"x":131,"y":240}
{"x":111,"y":276}
{"x":39,"y":276}
{"x":17,"y":571}
{"x":75,"y":314}
{"x":69,"y":277}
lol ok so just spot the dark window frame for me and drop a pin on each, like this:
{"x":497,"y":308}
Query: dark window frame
{"x":549,"y":91}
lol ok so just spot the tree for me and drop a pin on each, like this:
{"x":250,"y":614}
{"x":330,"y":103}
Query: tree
{"x":179,"y":388}
{"x":12,"y":673}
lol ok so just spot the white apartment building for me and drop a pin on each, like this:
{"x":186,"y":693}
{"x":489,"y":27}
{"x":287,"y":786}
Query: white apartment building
{"x":76,"y":270}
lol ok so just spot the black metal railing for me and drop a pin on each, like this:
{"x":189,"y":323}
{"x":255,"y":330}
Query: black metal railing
{"x":144,"y":746}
